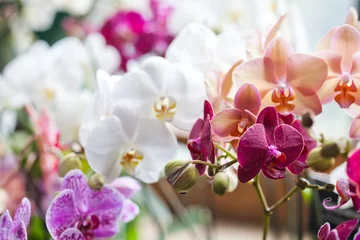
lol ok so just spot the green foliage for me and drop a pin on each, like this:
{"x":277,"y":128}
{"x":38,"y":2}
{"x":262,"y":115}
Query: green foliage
{"x":56,"y":31}
{"x":37,"y":229}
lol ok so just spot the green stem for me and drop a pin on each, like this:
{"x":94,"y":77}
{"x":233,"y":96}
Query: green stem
{"x":225,"y":151}
{"x":267,"y":214}
{"x":267,"y":218}
{"x":223,"y":166}
{"x":284,"y":199}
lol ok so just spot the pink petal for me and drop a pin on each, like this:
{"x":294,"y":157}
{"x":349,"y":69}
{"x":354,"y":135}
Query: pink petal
{"x":289,"y":141}
{"x":352,"y":17}
{"x":247,"y":98}
{"x":130,"y":211}
{"x":5,"y":224}
{"x":324,"y":43}
{"x":345,"y":229}
{"x":225,"y":123}
{"x":354,"y":131}
{"x":196,"y":129}
{"x":18,"y":231}
{"x":354,"y":198}
{"x":310,"y":143}
{"x":346,"y":41}
{"x":297,"y":167}
{"x":324,"y":231}
{"x":253,"y":148}
{"x":333,"y":235}
{"x":333,"y":61}
{"x":272,"y":33}
{"x":71,"y":234}
{"x":357,"y":235}
{"x":269,"y":118}
{"x":76,"y":180}
{"x":306,"y":73}
{"x":208,"y":110}
{"x":279,"y":50}
{"x":23,"y":213}
{"x":355,"y":67}
{"x":245,"y":176}
{"x":127,"y":186}
{"x":259,"y":72}
{"x":303,"y":103}
{"x":326,"y":93}
{"x":107,"y":205}
{"x":273,"y":173}
{"x":353,"y":168}
{"x":62,"y":213}
{"x":343,"y":189}
{"x":228,"y":79}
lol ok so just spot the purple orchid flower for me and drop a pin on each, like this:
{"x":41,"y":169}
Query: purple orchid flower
{"x":16,"y":229}
{"x":341,"y":232}
{"x":268,"y":146}
{"x":79,"y":212}
{"x":353,"y":170}
{"x":128,"y":187}
{"x":200,"y":142}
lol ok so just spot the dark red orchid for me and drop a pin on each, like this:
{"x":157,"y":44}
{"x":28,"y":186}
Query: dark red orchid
{"x":268,"y":146}
{"x":341,"y":232}
{"x":200,"y":142}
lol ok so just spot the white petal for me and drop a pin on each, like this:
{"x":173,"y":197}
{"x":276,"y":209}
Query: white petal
{"x":160,"y":71}
{"x":103,"y":147}
{"x":231,"y":47}
{"x":158,"y":145}
{"x":129,"y":117}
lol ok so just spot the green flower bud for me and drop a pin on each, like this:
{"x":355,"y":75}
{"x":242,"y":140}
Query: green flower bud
{"x":221,"y":183}
{"x":307,"y":119}
{"x":182,"y":175}
{"x":96,"y":181}
{"x":69,"y":162}
{"x":318,"y":162}
{"x":302,"y":183}
{"x":330,"y":150}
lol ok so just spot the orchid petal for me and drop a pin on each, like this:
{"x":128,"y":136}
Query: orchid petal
{"x":228,"y":79}
{"x":352,"y":17}
{"x":259,"y":72}
{"x":18,"y":231}
{"x":196,"y":129}
{"x":324,"y":231}
{"x":71,"y":234}
{"x":62,"y":213}
{"x":310,"y":142}
{"x":127,"y":186}
{"x":208,"y":110}
{"x":279,"y":50}
{"x":273,"y":173}
{"x":326,"y":93}
{"x":289,"y":141}
{"x":333,"y":235}
{"x":354,"y":131}
{"x":247,"y":97}
{"x":225,"y":123}
{"x":303,"y":103}
{"x":245,"y":176}
{"x":253,"y":148}
{"x":346,"y":41}
{"x":355,"y":66}
{"x":5,"y":224}
{"x":324,"y":43}
{"x":272,"y":33}
{"x":355,"y":199}
{"x":130,"y":211}
{"x":333,"y":60}
{"x":76,"y":181}
{"x":345,"y":229}
{"x":286,"y":119}
{"x":23,"y":213}
{"x":353,"y":168}
{"x":269,"y":118}
{"x":357,"y":235}
{"x":306,"y":73}
{"x":298,"y":166}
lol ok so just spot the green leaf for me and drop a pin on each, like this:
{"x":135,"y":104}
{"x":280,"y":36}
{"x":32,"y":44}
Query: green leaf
{"x":37,"y":229}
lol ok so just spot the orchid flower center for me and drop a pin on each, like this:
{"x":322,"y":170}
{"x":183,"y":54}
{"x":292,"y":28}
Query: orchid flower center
{"x":276,"y":157}
{"x":165,"y":108}
{"x":242,"y":126}
{"x":346,"y":87}
{"x":86,"y":224}
{"x":49,"y":93}
{"x":131,"y":159}
{"x":282,"y":95}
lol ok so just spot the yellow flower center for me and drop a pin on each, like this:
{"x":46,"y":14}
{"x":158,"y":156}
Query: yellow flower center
{"x":131,"y":159}
{"x":49,"y":93}
{"x":165,"y":108}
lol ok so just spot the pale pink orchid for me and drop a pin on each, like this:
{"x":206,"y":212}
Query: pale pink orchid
{"x":343,"y":81}
{"x":285,"y":79}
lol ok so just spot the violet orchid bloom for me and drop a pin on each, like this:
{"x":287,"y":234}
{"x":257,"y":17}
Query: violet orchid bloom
{"x":200,"y":142}
{"x":268,"y":146}
{"x":128,"y":187}
{"x":341,"y":232}
{"x":16,"y":228}
{"x":353,"y":171}
{"x":79,"y":212}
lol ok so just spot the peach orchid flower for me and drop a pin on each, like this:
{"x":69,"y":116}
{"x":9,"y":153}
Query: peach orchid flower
{"x":285,"y":79}
{"x":343,"y":56}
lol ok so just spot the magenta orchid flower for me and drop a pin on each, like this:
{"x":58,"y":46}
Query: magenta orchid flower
{"x":341,"y":232}
{"x":268,"y":146}
{"x":353,"y":170}
{"x":200,"y":142}
{"x":233,"y":122}
{"x":343,"y":81}
{"x":285,"y":79}
{"x":83,"y":212}
{"x":16,"y":228}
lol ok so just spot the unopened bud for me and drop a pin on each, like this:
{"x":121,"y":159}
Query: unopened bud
{"x":302,"y":183}
{"x":211,"y":171}
{"x":307,"y":119}
{"x":69,"y":162}
{"x":96,"y":181}
{"x":182,"y":175}
{"x":317,"y":162}
{"x":330,"y":150}
{"x":329,"y":187}
{"x":221,"y":183}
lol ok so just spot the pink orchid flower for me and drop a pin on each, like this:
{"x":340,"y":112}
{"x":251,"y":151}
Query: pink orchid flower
{"x":341,"y":232}
{"x":343,"y":81}
{"x":285,"y":79}
{"x":268,"y":146}
{"x":231,"y":123}
{"x":353,"y":171}
{"x":354,"y":131}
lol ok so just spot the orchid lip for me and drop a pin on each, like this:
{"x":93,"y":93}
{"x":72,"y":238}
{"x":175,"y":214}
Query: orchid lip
{"x":130,"y":160}
{"x":165,"y":108}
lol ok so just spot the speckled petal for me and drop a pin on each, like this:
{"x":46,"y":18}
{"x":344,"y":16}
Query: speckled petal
{"x":127,"y":186}
{"x":5,"y":224}
{"x":18,"y":231}
{"x":71,"y":234}
{"x":130,"y":211}
{"x":23,"y":213}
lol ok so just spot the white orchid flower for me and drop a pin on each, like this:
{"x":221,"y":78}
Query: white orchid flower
{"x":124,"y":140}
{"x":38,"y":14}
{"x":74,"y":7}
{"x":163,"y":90}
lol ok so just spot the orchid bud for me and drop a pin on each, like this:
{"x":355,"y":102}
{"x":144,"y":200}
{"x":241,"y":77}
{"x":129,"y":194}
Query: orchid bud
{"x":307,"y":119}
{"x":330,"y":150}
{"x":182,"y":175}
{"x":302,"y":183}
{"x":96,"y":181}
{"x":69,"y":162}
{"x":317,"y":162}
{"x":221,"y":183}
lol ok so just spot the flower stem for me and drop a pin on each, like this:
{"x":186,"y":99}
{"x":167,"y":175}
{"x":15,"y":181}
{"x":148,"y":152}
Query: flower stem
{"x":225,"y":151}
{"x":267,"y":218}
{"x":285,"y":198}
{"x":216,"y":166}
